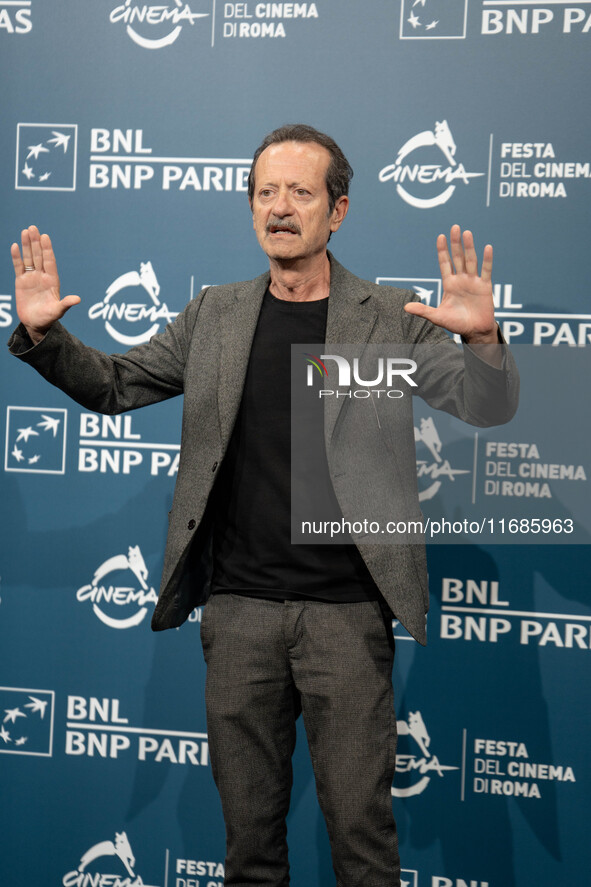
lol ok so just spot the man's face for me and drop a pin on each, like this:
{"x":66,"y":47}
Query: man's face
{"x":290,"y":203}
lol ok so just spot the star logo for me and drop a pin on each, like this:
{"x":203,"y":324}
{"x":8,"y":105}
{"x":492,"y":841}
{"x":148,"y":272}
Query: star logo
{"x":426,"y":288}
{"x":36,"y":150}
{"x":50,"y":423}
{"x":35,"y":440}
{"x":27,"y":724}
{"x":25,"y":433}
{"x":18,"y":454}
{"x":440,"y":19}
{"x":46,"y":156}
{"x":38,"y":705}
{"x":60,"y":139}
{"x":424,"y":294}
{"x":11,"y":714}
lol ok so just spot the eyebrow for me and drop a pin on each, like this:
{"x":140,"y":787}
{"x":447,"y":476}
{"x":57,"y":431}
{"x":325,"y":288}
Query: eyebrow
{"x":296,"y":184}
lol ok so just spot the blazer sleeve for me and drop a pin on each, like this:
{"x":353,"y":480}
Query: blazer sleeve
{"x":458,"y":380}
{"x":113,"y":383}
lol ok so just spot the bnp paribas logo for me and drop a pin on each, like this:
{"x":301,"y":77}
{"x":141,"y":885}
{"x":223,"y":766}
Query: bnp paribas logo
{"x":433,"y":19}
{"x":46,"y":156}
{"x":26,"y":721}
{"x":35,"y":440}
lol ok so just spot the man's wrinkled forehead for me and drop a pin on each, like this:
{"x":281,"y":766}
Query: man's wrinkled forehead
{"x":294,"y":162}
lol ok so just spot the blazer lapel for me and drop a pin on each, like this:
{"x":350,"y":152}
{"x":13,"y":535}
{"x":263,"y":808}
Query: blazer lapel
{"x":351,"y":319}
{"x":238,"y":322}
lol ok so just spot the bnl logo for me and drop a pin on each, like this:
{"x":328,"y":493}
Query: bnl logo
{"x":428,"y":289}
{"x":35,"y":440}
{"x":433,"y":19}
{"x":46,"y":156}
{"x":26,"y":721}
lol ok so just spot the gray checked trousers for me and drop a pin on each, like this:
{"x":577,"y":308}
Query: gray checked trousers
{"x":268,"y":661}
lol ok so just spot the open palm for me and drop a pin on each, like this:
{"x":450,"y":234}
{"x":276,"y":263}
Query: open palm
{"x":467,"y":302}
{"x":37,"y":291}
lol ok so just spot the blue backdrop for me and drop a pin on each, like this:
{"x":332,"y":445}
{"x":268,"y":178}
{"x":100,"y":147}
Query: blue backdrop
{"x":127,"y":134}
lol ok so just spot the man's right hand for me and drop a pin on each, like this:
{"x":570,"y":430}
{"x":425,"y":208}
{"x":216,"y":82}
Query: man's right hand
{"x":37,"y":291}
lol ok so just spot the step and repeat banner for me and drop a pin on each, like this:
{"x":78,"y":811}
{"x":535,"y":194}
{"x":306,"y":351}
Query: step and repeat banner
{"x":127,"y":132}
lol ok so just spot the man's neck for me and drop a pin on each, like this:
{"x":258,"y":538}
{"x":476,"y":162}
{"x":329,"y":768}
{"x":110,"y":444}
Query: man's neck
{"x":296,"y":282}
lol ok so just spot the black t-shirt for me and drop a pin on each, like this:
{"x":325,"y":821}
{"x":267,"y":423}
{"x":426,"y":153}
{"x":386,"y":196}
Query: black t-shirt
{"x":252,"y":551}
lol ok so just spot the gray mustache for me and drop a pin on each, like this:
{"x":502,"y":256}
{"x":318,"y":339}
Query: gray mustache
{"x":284,"y":225}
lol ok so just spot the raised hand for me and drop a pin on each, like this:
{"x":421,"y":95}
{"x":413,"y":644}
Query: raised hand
{"x":467,"y":302}
{"x":37,"y":285}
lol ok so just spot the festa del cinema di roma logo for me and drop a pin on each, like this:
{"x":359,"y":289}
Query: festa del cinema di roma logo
{"x":409,"y":766}
{"x":388,"y":370}
{"x":430,"y":472}
{"x":121,"y":315}
{"x":106,"y":593}
{"x":424,"y":183}
{"x":113,"y":864}
{"x":154,"y":25}
{"x":120,"y":850}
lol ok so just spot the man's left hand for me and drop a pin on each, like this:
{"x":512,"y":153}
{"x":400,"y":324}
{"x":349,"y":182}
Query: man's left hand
{"x":467,"y":302}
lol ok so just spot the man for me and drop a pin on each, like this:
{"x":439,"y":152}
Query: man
{"x":286,"y":628}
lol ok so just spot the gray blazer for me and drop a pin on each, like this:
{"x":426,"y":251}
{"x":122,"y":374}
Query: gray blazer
{"x":204,"y":355}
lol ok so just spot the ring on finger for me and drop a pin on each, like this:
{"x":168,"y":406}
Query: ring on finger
{"x":29,"y":267}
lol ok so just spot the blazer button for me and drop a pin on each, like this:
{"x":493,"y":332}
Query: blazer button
{"x":191,"y":524}
{"x":214,"y":466}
